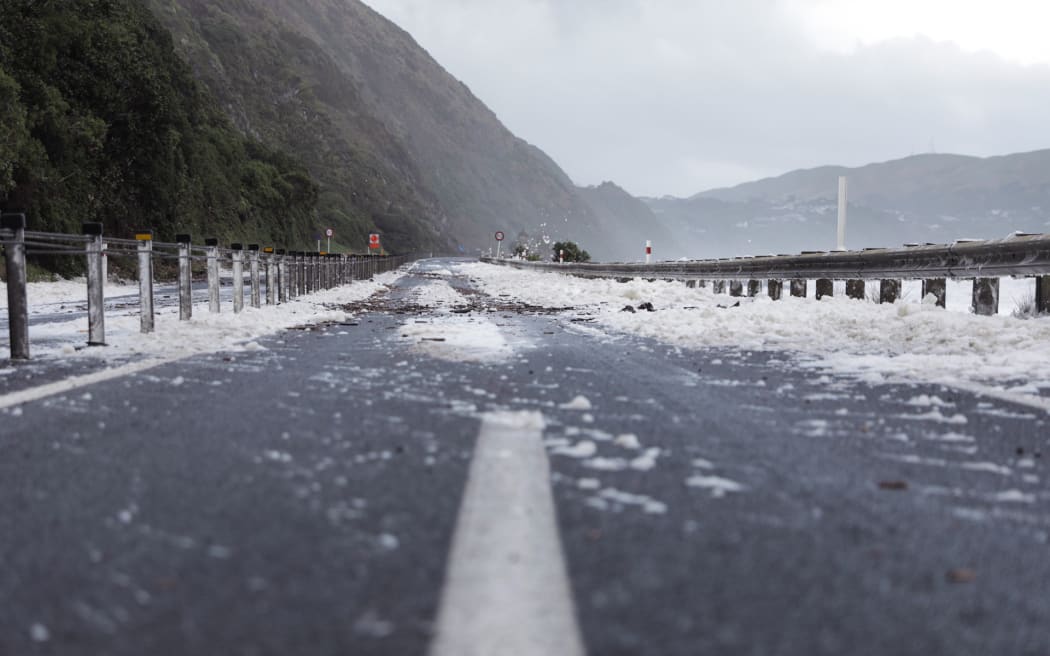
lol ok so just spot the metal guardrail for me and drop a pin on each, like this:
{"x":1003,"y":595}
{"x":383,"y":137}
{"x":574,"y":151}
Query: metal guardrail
{"x":983,"y":261}
{"x":287,"y":274}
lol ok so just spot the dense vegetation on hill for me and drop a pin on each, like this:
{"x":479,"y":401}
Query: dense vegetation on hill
{"x":279,"y":85}
{"x":100,"y":120}
{"x":396,"y":142}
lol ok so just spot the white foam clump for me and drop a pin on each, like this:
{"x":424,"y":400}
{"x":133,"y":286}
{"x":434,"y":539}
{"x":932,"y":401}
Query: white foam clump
{"x":937,"y":416}
{"x":583,"y":449}
{"x":872,"y":341}
{"x":647,"y":504}
{"x":719,"y":486}
{"x":460,"y":339}
{"x":203,"y":333}
{"x":646,"y":461}
{"x":581,"y":403}
{"x":628,"y":441}
{"x":926,"y":401}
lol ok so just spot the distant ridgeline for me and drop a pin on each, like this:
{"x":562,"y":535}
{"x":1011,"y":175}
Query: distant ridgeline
{"x":100,"y":120}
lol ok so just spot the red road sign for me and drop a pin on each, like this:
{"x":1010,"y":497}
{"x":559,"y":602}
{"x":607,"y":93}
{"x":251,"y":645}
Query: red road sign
{"x":373,"y":240}
{"x":329,"y":232}
{"x":500,"y":236}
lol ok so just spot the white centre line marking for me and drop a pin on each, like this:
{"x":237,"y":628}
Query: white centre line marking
{"x":506,"y":588}
{"x":70,"y":384}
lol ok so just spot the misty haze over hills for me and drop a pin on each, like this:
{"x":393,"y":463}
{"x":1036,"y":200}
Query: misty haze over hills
{"x":923,"y":198}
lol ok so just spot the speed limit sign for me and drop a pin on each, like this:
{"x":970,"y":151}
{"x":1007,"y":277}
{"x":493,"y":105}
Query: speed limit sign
{"x":499,"y":236}
{"x":329,"y":232}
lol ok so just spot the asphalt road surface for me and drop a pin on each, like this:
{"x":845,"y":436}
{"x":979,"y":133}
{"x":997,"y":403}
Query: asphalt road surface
{"x":486,"y":478}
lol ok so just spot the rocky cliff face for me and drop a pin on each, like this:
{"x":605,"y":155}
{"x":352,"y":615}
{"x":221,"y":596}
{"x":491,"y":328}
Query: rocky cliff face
{"x":396,"y":142}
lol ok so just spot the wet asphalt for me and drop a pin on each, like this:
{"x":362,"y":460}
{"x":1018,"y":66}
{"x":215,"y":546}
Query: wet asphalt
{"x":301,"y":499}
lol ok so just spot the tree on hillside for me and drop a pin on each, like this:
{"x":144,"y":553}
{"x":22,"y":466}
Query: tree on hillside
{"x":571,"y":251}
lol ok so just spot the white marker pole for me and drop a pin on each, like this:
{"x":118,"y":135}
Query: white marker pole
{"x":842,"y":213}
{"x":648,"y":251}
{"x":499,"y":249}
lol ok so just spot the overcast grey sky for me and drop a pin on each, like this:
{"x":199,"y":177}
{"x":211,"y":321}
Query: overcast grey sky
{"x":680,"y":96}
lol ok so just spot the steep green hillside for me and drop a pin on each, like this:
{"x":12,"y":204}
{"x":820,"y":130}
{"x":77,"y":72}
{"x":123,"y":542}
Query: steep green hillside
{"x":394,"y":139}
{"x":100,"y":120}
{"x":281,"y":87}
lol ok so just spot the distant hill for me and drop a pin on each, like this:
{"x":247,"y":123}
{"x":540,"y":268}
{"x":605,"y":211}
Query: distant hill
{"x":632,"y":221}
{"x":396,"y":143}
{"x":935,"y":198}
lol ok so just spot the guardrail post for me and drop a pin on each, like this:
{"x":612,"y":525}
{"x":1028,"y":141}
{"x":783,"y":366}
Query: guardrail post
{"x":271,"y":276}
{"x":289,"y":275}
{"x":96,"y":294}
{"x":753,"y":288}
{"x":775,"y":289}
{"x":145,"y":252}
{"x":213,"y":275}
{"x":986,"y":296}
{"x":736,"y":288}
{"x":282,"y":276}
{"x":297,"y":276}
{"x":238,"y":277}
{"x":799,"y":288}
{"x":1042,"y":294}
{"x":185,"y":278}
{"x":690,"y":284}
{"x":703,"y":284}
{"x":253,"y":263}
{"x":855,"y":289}
{"x":939,"y":288}
{"x":890,"y":291}
{"x":17,"y":298}
{"x":825,"y":287}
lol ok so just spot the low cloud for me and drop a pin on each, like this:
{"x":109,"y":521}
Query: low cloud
{"x":679,"y":96}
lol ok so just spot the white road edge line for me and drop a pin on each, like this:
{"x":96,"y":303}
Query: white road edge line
{"x":69,"y":384}
{"x":506,"y":585}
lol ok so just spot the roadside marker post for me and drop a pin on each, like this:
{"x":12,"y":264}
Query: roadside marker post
{"x":253,"y":263}
{"x":185,"y":278}
{"x":843,"y":204}
{"x":96,"y":295}
{"x":145,"y":252}
{"x":648,"y":252}
{"x":271,"y":276}
{"x":282,"y":276}
{"x":238,"y":277}
{"x":212,"y":245}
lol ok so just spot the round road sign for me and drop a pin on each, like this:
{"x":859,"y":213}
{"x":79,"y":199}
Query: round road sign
{"x":499,"y":236}
{"x":329,"y":232}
